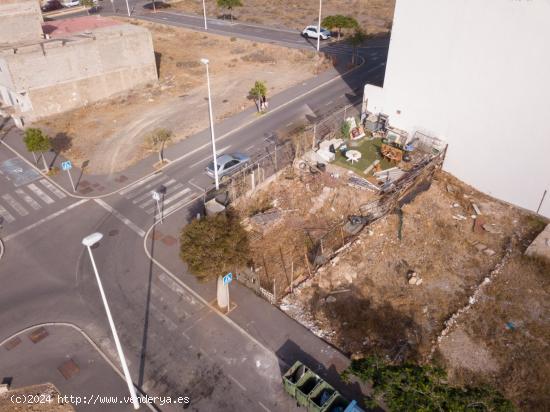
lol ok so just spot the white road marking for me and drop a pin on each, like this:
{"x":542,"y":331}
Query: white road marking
{"x":6,"y":215}
{"x":15,"y":205}
{"x":121,"y":217}
{"x":220,"y":151}
{"x":265,"y":407}
{"x":134,"y":186}
{"x":176,"y":205}
{"x":240,"y":385}
{"x":147,"y":190}
{"x":51,"y":187}
{"x":43,"y":196}
{"x":151,"y":200}
{"x":50,"y":217}
{"x":169,"y":200}
{"x":30,"y":201}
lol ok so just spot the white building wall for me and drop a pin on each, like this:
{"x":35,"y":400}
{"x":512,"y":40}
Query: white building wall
{"x":476,"y":74}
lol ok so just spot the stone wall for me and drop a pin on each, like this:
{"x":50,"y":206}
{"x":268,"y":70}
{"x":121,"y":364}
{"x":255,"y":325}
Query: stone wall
{"x":63,"y":74}
{"x":20,"y":21}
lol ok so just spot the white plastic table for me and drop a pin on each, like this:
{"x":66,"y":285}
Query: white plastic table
{"x":353,"y":156}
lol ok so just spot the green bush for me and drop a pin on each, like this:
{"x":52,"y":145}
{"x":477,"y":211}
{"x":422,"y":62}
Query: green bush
{"x":411,"y":387}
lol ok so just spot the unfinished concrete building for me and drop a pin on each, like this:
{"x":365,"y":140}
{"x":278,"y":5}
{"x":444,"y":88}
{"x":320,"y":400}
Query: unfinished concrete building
{"x":20,"y":21}
{"x":72,"y":63}
{"x":475,"y":73}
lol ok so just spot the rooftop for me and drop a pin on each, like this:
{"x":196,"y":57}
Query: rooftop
{"x":68,"y":27}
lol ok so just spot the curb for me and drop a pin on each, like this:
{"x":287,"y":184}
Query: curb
{"x":242,"y":126}
{"x":1,"y":249}
{"x":90,"y":341}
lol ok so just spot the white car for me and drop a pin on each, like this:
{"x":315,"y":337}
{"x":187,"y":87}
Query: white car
{"x":311,"y":32}
{"x":70,"y":3}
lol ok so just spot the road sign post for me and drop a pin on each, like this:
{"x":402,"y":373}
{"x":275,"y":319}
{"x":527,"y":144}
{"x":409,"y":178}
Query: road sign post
{"x":226,"y":281}
{"x":156,"y":197}
{"x":67,"y":166}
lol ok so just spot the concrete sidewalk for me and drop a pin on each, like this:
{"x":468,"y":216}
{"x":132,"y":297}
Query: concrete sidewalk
{"x":62,"y":356}
{"x":288,"y":339}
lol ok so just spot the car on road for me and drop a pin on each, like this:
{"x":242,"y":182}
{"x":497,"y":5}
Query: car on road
{"x":228,"y":164}
{"x":311,"y":32}
{"x":51,"y":5}
{"x":71,"y":3}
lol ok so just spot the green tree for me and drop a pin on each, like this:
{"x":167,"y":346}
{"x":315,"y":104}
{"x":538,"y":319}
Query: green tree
{"x":356,"y":40}
{"x":258,"y":93}
{"x":36,"y":141}
{"x":88,"y":4}
{"x":340,"y":22}
{"x":157,"y":140}
{"x":214,"y":245}
{"x":229,"y":5}
{"x":411,"y":387}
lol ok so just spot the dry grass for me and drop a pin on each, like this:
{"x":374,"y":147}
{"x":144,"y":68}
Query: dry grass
{"x":373,"y":15}
{"x":363,"y":303}
{"x":110,"y":133}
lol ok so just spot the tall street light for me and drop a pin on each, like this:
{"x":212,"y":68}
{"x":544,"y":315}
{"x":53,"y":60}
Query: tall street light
{"x":205,"y":62}
{"x":204,"y":13}
{"x":319,"y":25}
{"x":128,"y":7}
{"x":89,"y":241}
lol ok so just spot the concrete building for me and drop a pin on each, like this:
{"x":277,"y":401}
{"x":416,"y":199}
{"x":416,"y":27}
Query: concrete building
{"x":476,"y":74}
{"x":20,"y":21}
{"x":74,"y":62}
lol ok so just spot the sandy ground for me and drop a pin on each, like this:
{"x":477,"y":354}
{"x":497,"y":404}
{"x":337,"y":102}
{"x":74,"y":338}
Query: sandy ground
{"x":362,"y":300}
{"x":110,"y":134}
{"x":375,"y":16}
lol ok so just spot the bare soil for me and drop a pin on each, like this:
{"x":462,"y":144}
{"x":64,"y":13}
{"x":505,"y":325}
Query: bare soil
{"x":375,"y":16}
{"x":110,"y":134}
{"x":363,"y":303}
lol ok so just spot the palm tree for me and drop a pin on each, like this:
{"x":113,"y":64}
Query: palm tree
{"x":157,"y":139}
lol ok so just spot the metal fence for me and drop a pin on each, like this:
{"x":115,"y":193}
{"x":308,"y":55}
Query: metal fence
{"x":280,"y":152}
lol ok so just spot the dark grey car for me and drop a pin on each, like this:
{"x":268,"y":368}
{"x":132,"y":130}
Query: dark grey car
{"x":228,"y":164}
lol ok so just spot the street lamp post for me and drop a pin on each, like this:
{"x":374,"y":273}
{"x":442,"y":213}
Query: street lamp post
{"x":128,"y":7}
{"x":204,"y":13}
{"x":205,"y":62}
{"x":319,"y":25}
{"x":89,"y":241}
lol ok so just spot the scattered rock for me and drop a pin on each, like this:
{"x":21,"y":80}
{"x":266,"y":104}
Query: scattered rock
{"x":451,"y":188}
{"x":491,"y":228}
{"x":335,"y":260}
{"x":476,"y":209}
{"x":489,"y":252}
{"x":480,"y":247}
{"x":330,"y":299}
{"x":412,"y":281}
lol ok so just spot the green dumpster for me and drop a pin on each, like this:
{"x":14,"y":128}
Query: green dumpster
{"x":336,"y":404}
{"x":306,"y":387}
{"x":321,"y":396}
{"x":293,"y":376}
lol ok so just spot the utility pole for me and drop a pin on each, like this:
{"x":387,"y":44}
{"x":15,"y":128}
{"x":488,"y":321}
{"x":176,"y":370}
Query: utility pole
{"x":205,"y":62}
{"x":319,"y":26}
{"x":204,"y":13}
{"x":128,"y":7}
{"x":89,"y":241}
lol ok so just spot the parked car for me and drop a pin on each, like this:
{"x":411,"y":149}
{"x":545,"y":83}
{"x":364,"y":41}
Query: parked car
{"x":71,"y":3}
{"x":51,"y":5}
{"x":311,"y":32}
{"x":228,"y":164}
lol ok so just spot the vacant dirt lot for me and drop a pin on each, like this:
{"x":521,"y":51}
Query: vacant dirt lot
{"x":373,"y":15}
{"x":363,"y":302}
{"x":111,"y":134}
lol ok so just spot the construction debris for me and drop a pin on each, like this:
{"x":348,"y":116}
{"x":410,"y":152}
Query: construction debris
{"x":540,"y":247}
{"x":389,"y":175}
{"x":361,"y":183}
{"x":414,"y":279}
{"x":491,"y":228}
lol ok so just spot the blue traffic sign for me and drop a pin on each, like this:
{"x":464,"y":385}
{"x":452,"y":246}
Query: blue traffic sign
{"x":66,"y":165}
{"x":228,"y":278}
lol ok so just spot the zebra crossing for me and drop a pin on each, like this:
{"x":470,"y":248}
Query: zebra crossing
{"x":28,"y":199}
{"x":175,"y":194}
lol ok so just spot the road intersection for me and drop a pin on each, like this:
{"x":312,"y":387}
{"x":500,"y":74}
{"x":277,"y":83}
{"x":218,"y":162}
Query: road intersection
{"x":176,"y":342}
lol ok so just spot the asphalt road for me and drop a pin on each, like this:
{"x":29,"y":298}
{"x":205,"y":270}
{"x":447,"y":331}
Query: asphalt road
{"x":175,"y":342}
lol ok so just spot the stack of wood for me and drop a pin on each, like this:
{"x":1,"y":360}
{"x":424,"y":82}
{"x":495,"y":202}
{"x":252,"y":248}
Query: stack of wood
{"x":393,"y":154}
